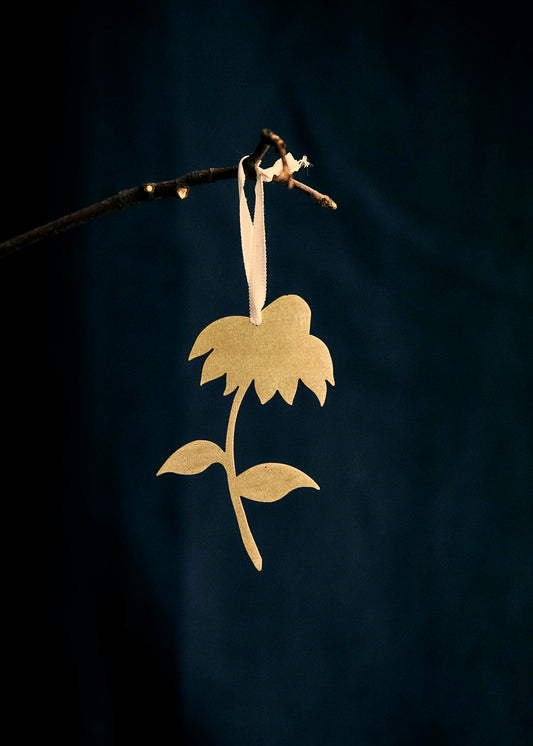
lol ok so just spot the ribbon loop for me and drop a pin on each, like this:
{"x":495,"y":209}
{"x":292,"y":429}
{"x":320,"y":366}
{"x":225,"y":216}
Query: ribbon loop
{"x":253,"y":237}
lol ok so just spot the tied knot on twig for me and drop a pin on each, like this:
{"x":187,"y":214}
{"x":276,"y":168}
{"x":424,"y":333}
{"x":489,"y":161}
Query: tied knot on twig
{"x":253,"y":238}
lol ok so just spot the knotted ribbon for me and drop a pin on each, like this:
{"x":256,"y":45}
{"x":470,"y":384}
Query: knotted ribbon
{"x":253,"y":238}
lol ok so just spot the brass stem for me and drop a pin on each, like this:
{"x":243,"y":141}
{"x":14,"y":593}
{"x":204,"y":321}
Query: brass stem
{"x":244,"y":528}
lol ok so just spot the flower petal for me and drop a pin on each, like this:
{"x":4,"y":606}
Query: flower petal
{"x":213,"y":368}
{"x":317,"y":384}
{"x":216,"y":335}
{"x":231,"y":384}
{"x":322,"y":362}
{"x":204,"y":342}
{"x":287,"y":388}
{"x":265,"y":388}
{"x":291,"y":311}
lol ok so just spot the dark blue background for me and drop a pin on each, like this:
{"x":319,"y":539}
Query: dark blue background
{"x":394,"y":606}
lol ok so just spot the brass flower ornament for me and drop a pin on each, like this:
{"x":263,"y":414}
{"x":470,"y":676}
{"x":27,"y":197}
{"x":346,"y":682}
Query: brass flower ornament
{"x":275,"y":355}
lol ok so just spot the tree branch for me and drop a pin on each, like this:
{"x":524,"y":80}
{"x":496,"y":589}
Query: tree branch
{"x":175,"y":188}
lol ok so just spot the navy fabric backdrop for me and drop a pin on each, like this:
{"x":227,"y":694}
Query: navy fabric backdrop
{"x":394,"y":606}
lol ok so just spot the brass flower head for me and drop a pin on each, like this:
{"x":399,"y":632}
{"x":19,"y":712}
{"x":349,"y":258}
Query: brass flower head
{"x":274,"y":355}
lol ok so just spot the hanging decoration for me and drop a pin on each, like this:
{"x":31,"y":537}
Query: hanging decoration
{"x":274,"y":349}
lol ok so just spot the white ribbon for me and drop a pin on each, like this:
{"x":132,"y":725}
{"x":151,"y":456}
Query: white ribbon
{"x":253,"y":239}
